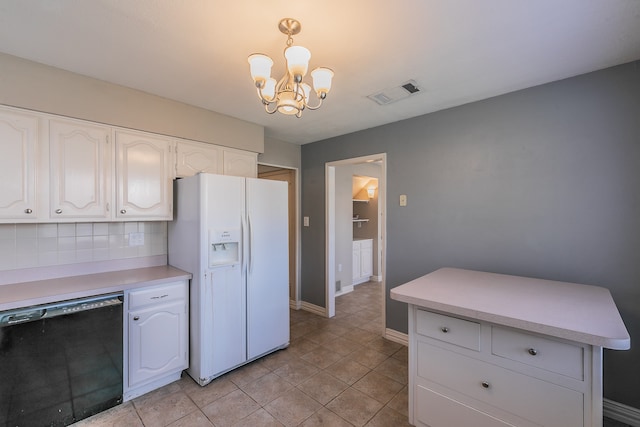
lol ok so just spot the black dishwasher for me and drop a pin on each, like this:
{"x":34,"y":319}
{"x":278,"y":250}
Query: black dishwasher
{"x":60,"y":363}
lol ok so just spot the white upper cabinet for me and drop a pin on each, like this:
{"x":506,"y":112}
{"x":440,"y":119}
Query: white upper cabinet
{"x":194,"y":157}
{"x":240,"y":163}
{"x":80,"y":171}
{"x":18,"y":139}
{"x":144,"y":178}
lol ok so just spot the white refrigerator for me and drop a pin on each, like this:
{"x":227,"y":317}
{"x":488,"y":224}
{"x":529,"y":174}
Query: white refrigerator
{"x":231,"y":234}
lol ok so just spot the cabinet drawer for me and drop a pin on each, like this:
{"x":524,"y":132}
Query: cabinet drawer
{"x":550,"y":355}
{"x":436,"y":410}
{"x":157,"y":294}
{"x":538,"y":401}
{"x":448,"y":329}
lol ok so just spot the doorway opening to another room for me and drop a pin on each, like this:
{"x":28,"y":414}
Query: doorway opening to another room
{"x":355,"y":227}
{"x":288,"y":175}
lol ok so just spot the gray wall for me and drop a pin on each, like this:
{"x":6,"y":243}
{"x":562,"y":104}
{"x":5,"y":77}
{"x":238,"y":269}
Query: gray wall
{"x":280,"y":153}
{"x":543,"y":182}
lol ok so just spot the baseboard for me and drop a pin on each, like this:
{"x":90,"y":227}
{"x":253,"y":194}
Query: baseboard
{"x":294,"y":305}
{"x":395,"y":336}
{"x":315,"y":309}
{"x":620,"y":412}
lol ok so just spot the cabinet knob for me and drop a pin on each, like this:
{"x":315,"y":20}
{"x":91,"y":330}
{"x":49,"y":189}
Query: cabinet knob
{"x":58,"y":211}
{"x":485,"y":384}
{"x":532,"y":351}
{"x":123,"y":211}
{"x":28,"y":211}
{"x":136,"y":318}
{"x":444,"y":329}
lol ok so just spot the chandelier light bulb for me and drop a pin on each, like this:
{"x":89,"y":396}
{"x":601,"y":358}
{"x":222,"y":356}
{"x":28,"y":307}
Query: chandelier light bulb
{"x":269,"y":90}
{"x":297,"y":61}
{"x":322,"y":81}
{"x":260,"y":66}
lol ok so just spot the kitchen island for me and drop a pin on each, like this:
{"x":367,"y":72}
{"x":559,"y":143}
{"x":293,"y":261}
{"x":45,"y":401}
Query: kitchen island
{"x":489,"y":349}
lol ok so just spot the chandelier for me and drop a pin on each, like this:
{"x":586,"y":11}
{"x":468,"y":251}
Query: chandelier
{"x":290,"y":95}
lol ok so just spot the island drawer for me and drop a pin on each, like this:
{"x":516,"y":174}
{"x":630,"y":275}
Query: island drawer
{"x":527,"y":397}
{"x":551,"y":355}
{"x":452,"y":330}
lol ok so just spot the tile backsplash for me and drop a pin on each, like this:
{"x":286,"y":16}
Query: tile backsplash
{"x":39,"y":245}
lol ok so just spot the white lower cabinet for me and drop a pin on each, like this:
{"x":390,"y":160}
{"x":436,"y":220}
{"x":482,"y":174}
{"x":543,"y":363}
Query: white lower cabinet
{"x":362,"y":268}
{"x":472,"y":373}
{"x":156,"y":337}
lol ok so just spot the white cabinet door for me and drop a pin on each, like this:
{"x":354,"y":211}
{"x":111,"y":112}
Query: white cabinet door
{"x":80,"y":171}
{"x":18,"y":165}
{"x":158,"y":341}
{"x":194,"y":157}
{"x":143,"y":168}
{"x":355,"y":268}
{"x":366,"y":258}
{"x":240,"y":163}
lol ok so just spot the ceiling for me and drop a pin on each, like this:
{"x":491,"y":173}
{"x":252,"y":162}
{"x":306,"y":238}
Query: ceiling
{"x":195,"y":51}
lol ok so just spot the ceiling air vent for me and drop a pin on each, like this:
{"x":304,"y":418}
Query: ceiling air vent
{"x":394,"y":94}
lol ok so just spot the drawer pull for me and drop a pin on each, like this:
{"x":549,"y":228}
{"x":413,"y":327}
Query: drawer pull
{"x":444,"y":329}
{"x":532,"y":351}
{"x":485,"y":384}
{"x":136,"y":318}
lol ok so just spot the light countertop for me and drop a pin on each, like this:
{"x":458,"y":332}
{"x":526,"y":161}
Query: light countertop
{"x":65,"y":288}
{"x":581,"y":313}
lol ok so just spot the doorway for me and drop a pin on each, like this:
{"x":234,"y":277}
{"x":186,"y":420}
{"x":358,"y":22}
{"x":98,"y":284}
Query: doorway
{"x":278,"y":173}
{"x":339,"y":218}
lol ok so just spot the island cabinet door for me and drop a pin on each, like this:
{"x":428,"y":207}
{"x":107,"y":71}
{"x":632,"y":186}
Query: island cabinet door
{"x":157,"y":341}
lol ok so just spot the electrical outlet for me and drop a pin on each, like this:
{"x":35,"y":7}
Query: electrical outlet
{"x":136,"y":239}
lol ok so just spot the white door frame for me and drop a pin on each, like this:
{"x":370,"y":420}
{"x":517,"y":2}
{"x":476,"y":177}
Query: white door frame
{"x":330,"y":227}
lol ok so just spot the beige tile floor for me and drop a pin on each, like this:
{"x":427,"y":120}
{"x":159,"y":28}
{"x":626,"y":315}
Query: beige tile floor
{"x":336,"y":372}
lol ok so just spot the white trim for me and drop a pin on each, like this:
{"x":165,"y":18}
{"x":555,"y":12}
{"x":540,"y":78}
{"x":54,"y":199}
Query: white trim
{"x":330,"y":248}
{"x":621,"y":412}
{"x":294,"y":305}
{"x":312,"y":308}
{"x":395,"y":336}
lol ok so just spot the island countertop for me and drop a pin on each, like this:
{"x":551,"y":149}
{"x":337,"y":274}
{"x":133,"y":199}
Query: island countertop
{"x":65,"y":288}
{"x":581,"y":313}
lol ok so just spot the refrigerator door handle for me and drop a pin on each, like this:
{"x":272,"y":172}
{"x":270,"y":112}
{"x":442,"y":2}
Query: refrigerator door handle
{"x":250,"y":261}
{"x":243,"y":257}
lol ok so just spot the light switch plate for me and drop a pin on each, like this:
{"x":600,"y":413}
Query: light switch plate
{"x":403,"y":200}
{"x":306,"y":221}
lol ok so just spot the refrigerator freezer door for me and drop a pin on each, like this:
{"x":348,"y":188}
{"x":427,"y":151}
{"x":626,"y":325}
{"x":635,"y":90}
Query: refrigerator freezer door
{"x":268,"y":266}
{"x":226,"y":320}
